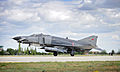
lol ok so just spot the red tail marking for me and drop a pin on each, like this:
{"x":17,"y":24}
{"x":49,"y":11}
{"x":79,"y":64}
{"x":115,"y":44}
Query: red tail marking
{"x":72,"y":43}
{"x":92,"y":39}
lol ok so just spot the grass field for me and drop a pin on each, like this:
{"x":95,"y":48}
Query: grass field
{"x":103,"y":66}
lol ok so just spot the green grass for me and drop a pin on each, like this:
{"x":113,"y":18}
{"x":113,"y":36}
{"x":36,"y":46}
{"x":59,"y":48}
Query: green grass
{"x":91,"y":66}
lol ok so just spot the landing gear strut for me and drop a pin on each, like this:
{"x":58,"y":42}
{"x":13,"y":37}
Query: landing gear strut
{"x":72,"y":53}
{"x":55,"y":53}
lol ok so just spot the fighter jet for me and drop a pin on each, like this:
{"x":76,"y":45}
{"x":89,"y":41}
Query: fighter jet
{"x":57,"y":44}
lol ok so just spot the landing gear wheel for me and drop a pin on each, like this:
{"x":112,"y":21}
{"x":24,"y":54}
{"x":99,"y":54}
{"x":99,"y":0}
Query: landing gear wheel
{"x":72,"y":53}
{"x":55,"y":53}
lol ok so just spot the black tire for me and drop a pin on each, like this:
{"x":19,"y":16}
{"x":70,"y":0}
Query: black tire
{"x":72,"y":54}
{"x":55,"y":53}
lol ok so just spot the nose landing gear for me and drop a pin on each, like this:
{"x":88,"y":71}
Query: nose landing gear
{"x":72,"y":53}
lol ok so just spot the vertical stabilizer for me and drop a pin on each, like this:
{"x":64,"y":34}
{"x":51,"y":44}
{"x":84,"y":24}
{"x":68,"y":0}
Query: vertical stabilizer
{"x":91,"y":40}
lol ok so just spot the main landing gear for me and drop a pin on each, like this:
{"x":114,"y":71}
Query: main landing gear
{"x":72,"y":53}
{"x":55,"y":53}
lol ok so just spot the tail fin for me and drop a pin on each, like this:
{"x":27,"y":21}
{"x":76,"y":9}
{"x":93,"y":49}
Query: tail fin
{"x":91,"y":39}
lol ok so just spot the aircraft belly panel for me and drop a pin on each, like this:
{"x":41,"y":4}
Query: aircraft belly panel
{"x":86,"y":47}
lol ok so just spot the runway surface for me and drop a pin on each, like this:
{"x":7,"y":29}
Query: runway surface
{"x":57,"y":59}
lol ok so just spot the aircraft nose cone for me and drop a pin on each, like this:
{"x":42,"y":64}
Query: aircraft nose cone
{"x":17,"y":38}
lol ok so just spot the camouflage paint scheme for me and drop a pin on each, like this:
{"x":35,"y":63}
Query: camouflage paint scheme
{"x":58,"y":44}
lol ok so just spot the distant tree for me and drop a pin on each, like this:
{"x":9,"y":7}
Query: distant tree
{"x":15,"y":51}
{"x":51,"y":53}
{"x":28,"y":52}
{"x":90,"y":52}
{"x":118,"y":51}
{"x":25,"y":51}
{"x":2,"y":52}
{"x":81,"y":52}
{"x":35,"y":51}
{"x":11,"y":51}
{"x":19,"y":49}
{"x":31,"y":51}
{"x":103,"y":52}
{"x":39,"y":53}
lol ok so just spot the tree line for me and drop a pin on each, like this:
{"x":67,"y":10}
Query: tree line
{"x":26,"y":51}
{"x":32,"y":51}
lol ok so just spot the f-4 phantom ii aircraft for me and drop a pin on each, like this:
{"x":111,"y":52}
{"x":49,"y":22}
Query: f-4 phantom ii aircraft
{"x":57,"y":44}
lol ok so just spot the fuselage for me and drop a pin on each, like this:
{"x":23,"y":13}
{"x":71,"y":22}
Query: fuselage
{"x":50,"y":41}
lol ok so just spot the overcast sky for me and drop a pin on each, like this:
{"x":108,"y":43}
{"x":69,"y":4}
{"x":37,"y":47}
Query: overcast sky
{"x":75,"y":19}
